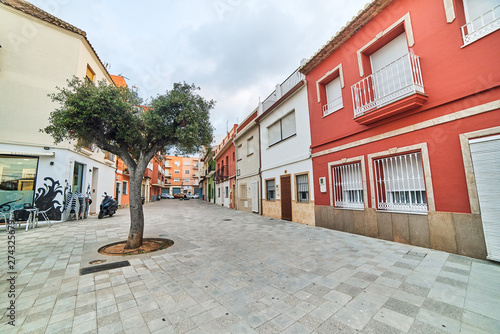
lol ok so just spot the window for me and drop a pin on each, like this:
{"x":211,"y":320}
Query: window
{"x":218,"y":190}
{"x":125,"y":188}
{"x":482,"y":18}
{"x":177,"y":180}
{"x":187,"y":163}
{"x":177,"y":163}
{"x":186,"y":180}
{"x":90,"y":74}
{"x":243,"y":191}
{"x":348,"y":186}
{"x":282,"y":129}
{"x":270,"y":190}
{"x":400,"y":184}
{"x":239,"y":151}
{"x":250,"y":146}
{"x":17,"y":181}
{"x":227,"y":192}
{"x":333,"y":97}
{"x":177,"y":171}
{"x":77,"y":177}
{"x":186,"y":171}
{"x":302,"y":187}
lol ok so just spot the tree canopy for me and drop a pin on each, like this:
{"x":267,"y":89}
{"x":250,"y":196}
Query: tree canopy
{"x":115,"y":119}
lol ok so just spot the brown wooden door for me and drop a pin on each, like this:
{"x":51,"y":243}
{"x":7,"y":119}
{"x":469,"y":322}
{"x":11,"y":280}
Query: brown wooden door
{"x":286,"y":198}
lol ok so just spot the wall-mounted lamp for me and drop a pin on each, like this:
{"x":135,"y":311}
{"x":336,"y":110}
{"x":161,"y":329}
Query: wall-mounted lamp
{"x":52,"y":163}
{"x":90,"y":170}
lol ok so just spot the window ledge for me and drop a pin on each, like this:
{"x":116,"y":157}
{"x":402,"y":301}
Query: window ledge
{"x":396,"y":108}
{"x":405,"y":212}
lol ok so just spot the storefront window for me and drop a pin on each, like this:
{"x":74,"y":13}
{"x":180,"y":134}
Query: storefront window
{"x":17,"y":181}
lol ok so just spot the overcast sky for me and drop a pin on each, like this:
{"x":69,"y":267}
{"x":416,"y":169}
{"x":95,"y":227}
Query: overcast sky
{"x":235,"y":50}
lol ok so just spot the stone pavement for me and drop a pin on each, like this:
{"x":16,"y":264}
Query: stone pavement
{"x":234,"y":272}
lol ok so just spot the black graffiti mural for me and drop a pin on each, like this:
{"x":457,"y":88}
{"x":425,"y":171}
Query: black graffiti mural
{"x":10,"y":205}
{"x":45,"y":198}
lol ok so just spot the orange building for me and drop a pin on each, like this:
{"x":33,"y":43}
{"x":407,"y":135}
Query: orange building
{"x":182,"y":173}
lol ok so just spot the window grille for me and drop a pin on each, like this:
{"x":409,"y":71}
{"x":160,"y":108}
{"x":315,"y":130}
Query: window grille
{"x":400,"y":183}
{"x":348,"y":186}
{"x":302,"y":188}
{"x":270,"y":190}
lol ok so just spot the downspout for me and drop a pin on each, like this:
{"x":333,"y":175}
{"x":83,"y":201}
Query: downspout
{"x":260,"y":175}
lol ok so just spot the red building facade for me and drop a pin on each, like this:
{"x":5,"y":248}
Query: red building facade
{"x":225,"y":157}
{"x":397,"y":102}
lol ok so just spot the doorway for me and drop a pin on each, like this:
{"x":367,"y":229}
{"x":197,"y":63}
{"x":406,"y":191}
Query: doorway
{"x":286,"y":197}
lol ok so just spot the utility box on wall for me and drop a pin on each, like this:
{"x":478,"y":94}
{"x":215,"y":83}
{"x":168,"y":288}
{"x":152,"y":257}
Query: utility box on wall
{"x":322,"y":184}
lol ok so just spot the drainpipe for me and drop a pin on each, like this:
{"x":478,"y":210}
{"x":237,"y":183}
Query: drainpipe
{"x":260,"y":174}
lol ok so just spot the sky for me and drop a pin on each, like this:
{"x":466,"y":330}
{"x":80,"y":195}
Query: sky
{"x":236,"y":51}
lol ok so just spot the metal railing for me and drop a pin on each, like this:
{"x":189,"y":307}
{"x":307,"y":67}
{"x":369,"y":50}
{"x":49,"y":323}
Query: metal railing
{"x":333,"y":106}
{"x":348,"y":186}
{"x":284,"y":88}
{"x":481,"y":26}
{"x":400,"y":184}
{"x":399,"y":79}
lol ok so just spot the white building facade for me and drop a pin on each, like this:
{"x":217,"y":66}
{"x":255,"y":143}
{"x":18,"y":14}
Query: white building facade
{"x":38,"y":54}
{"x":286,"y":165}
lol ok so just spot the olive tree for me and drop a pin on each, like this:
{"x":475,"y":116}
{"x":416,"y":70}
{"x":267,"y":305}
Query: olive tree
{"x":113,"y":119}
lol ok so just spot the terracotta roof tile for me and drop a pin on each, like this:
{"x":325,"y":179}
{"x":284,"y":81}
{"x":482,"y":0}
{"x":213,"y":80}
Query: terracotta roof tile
{"x":32,"y":10}
{"x":364,"y":16}
{"x":119,"y":81}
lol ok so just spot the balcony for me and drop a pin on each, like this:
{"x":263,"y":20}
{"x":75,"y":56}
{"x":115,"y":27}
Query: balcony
{"x":394,"y":89}
{"x":281,"y":90}
{"x":481,"y":26}
{"x":222,"y":174}
{"x":333,"y":106}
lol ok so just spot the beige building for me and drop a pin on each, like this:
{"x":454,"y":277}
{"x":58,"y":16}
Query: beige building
{"x":248,"y":183}
{"x":38,"y":53}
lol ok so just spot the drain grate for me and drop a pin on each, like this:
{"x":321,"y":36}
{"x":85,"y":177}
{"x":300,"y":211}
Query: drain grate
{"x":102,"y":267}
{"x":227,"y":220}
{"x":417,"y":254}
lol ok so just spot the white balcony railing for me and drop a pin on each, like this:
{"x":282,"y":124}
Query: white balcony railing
{"x":282,"y":89}
{"x":399,"y":79}
{"x":481,"y":26}
{"x":333,"y":106}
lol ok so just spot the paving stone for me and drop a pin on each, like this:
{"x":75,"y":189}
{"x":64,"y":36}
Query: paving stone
{"x":289,"y":278}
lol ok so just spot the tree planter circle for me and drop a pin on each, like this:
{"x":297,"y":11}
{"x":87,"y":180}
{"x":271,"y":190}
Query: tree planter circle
{"x":149,"y":245}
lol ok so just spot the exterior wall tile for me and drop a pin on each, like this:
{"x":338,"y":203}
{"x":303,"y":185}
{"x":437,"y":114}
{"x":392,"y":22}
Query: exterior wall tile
{"x":303,"y":213}
{"x":272,"y":209}
{"x":401,"y":228}
{"x":371,"y":227}
{"x":469,"y":235}
{"x":419,"y":231}
{"x":384,"y":224}
{"x":359,"y":222}
{"x":442,"y":231}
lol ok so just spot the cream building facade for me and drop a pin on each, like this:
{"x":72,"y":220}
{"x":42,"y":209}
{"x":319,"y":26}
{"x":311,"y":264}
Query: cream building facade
{"x":248,"y":183}
{"x":39,"y":53}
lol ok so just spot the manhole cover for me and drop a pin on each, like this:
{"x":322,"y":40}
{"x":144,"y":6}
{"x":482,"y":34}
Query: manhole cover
{"x":97,"y":261}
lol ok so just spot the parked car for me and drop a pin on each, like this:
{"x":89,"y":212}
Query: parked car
{"x":195,"y":196}
{"x":181,"y":196}
{"x":166,"y":196}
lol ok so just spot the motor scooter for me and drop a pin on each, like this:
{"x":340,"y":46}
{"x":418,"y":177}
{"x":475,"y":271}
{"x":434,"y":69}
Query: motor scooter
{"x":108,"y":206}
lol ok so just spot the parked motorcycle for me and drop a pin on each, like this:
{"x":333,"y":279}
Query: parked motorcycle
{"x":108,"y":206}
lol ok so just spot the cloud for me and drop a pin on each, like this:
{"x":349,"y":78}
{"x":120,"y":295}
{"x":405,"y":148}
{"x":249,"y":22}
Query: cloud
{"x":235,"y":50}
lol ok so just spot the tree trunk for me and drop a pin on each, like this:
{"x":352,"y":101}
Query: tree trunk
{"x":136,"y":213}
